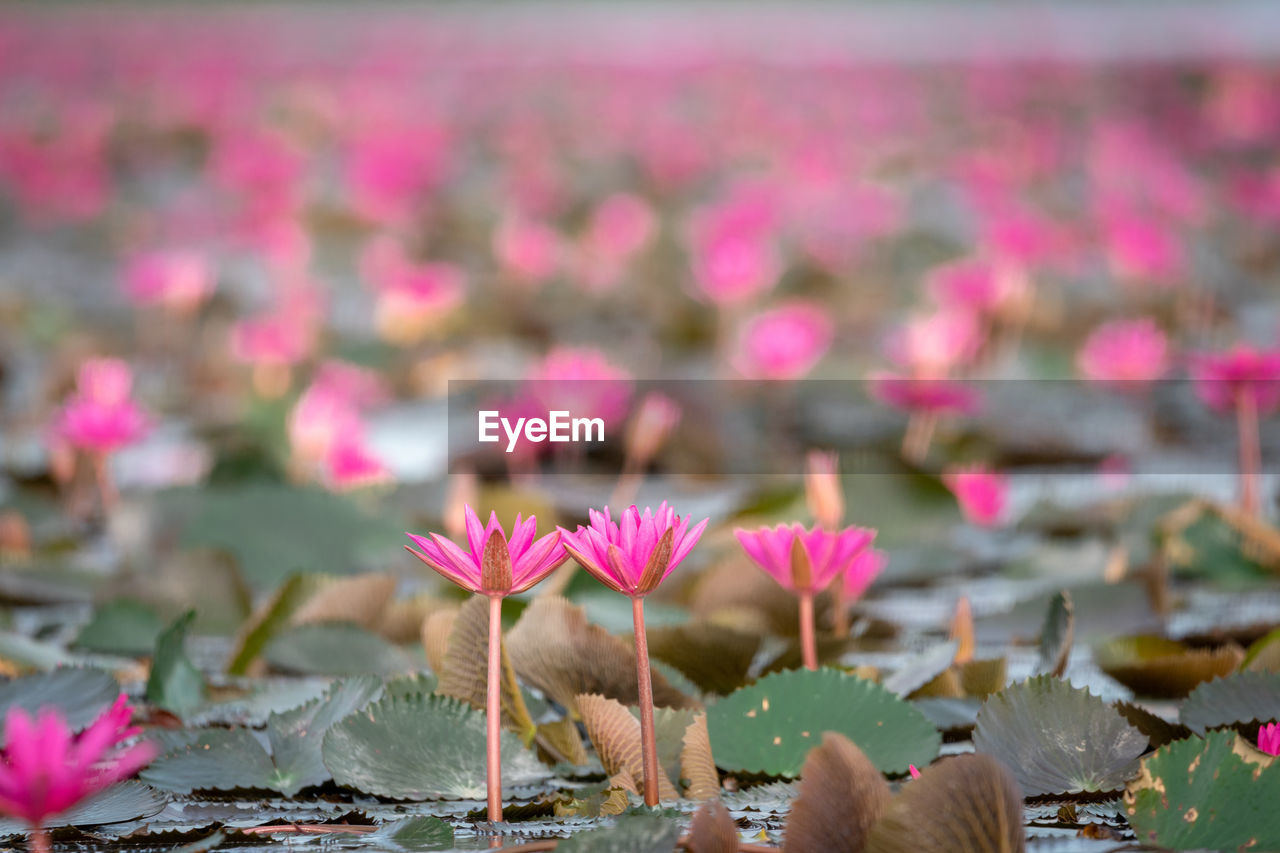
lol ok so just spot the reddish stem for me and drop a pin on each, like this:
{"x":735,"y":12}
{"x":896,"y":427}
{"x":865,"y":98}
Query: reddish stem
{"x":39,"y":841}
{"x":106,"y":486}
{"x":648,"y":742}
{"x":493,"y":710}
{"x":808,"y":644}
{"x":1250,"y":451}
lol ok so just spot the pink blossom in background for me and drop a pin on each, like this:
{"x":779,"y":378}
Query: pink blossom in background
{"x":829,"y":553}
{"x":178,"y":279}
{"x":823,"y":490}
{"x":735,"y":256}
{"x":528,"y":251}
{"x":655,"y":419}
{"x":982,"y":494}
{"x":1221,"y":377}
{"x":350,"y":464}
{"x":931,"y":346}
{"x":620,"y":553}
{"x":938,"y":396}
{"x":784,"y":342}
{"x":1143,"y":249}
{"x":60,"y":176}
{"x":361,"y":387}
{"x":1124,"y":351}
{"x":1269,"y":738}
{"x":413,"y":297}
{"x":274,"y":339}
{"x":390,"y":170}
{"x":46,"y":770}
{"x":976,"y":284}
{"x":580,"y":380}
{"x":621,"y":225}
{"x":530,"y":559}
{"x":100,"y":416}
{"x":866,"y":567}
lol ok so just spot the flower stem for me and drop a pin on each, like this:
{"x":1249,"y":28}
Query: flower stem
{"x":1250,"y":451}
{"x":493,"y":710}
{"x":808,"y":644}
{"x":39,"y":842}
{"x":648,"y":742}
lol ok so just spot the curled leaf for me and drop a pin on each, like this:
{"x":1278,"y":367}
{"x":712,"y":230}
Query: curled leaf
{"x":615,"y":733}
{"x":712,"y":830}
{"x":1155,"y":666}
{"x":697,"y":767}
{"x":464,"y":672}
{"x":842,"y":795}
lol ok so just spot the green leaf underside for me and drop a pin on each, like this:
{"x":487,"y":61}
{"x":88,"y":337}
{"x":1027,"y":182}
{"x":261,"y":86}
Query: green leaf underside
{"x":81,"y":694}
{"x":1242,"y":697}
{"x":175,"y":683}
{"x":335,"y":648}
{"x":123,"y":627}
{"x":121,"y":802}
{"x":1201,"y":794}
{"x":770,"y":726}
{"x":1058,"y":739}
{"x":422,"y":748}
{"x":632,"y":834}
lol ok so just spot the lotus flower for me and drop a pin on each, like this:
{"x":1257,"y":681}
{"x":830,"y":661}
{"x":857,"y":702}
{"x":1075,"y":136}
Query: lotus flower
{"x":632,"y":557}
{"x":100,"y":417}
{"x":351,"y":464}
{"x":1125,"y":352}
{"x":496,"y":567}
{"x":46,"y":770}
{"x":932,"y":396}
{"x":822,"y":489}
{"x":805,"y":562}
{"x":783,"y":343}
{"x":934,"y":345}
{"x":982,"y":494}
{"x":1269,"y":738}
{"x":180,"y":280}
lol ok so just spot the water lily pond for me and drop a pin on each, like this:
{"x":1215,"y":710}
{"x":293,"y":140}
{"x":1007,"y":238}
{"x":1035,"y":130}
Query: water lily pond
{"x":640,"y":427}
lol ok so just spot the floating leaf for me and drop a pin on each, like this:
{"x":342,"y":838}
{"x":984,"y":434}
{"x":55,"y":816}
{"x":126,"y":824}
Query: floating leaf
{"x":1242,"y":697}
{"x":1056,"y":635}
{"x":421,"y":748}
{"x":715,"y":658}
{"x":697,"y":767}
{"x":296,"y":735}
{"x":175,"y":683}
{"x":615,"y":733}
{"x":335,"y":648}
{"x":770,"y":726}
{"x":556,"y":650}
{"x":980,"y":677}
{"x":712,"y":830}
{"x":1213,"y":793}
{"x":1158,"y":730}
{"x":966,"y":802}
{"x":1154,"y":666}
{"x":606,"y":802}
{"x":424,"y":832}
{"x":1058,"y":739}
{"x":842,"y":795}
{"x":464,"y":672}
{"x":124,"y":801}
{"x":80,"y":694}
{"x":1264,"y":654}
{"x":636,"y":834}
{"x":921,"y":669}
{"x":123,"y":627}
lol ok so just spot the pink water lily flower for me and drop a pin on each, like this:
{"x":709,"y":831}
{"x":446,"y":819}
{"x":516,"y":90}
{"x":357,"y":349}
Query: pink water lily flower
{"x":46,"y":770}
{"x":1269,"y":738}
{"x":783,"y":343}
{"x":804,"y":561}
{"x":100,"y":417}
{"x":1125,"y":351}
{"x":515,"y":564}
{"x":866,"y":567}
{"x":983,"y":495}
{"x":937,"y":396}
{"x":351,"y":464}
{"x":1220,"y":378}
{"x":636,"y":553}
{"x":177,"y":279}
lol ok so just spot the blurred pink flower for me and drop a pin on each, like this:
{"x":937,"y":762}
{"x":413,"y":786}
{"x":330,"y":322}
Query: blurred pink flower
{"x":528,"y":251}
{"x":620,"y":225}
{"x":784,"y":342}
{"x":100,"y":417}
{"x":976,"y":284}
{"x":350,"y":464}
{"x":274,"y":339}
{"x":805,"y":561}
{"x":1221,"y":377}
{"x":940,"y":396}
{"x":822,"y":488}
{"x":634,"y":555}
{"x":412,"y":296}
{"x":390,"y":170}
{"x":655,"y":418}
{"x":1121,"y":352}
{"x":177,"y":279}
{"x":866,"y":567}
{"x":1269,"y":738}
{"x":933,"y":345}
{"x":982,"y":494}
{"x":1143,"y":249}
{"x":582,"y":381}
{"x":734,"y":253}
{"x":514,"y":565}
{"x":46,"y":770}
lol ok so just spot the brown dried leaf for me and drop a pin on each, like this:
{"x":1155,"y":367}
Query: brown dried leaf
{"x":436,"y":629}
{"x":980,"y":678}
{"x":612,"y":800}
{"x":554,"y":648}
{"x":962,"y":631}
{"x":615,"y":733}
{"x":560,"y":742}
{"x":841,"y":796}
{"x":360,"y":599}
{"x":464,"y":672}
{"x":712,"y":830}
{"x":696,"y":764}
{"x":402,"y":621}
{"x":715,"y":658}
{"x":968,"y":802}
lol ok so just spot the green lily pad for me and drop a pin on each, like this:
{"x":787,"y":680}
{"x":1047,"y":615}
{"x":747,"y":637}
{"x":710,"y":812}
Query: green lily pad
{"x":423,"y":832}
{"x":422,"y":748}
{"x":770,"y":726}
{"x":1242,"y":697}
{"x":124,"y":801}
{"x":175,"y":683}
{"x":310,"y":530}
{"x":80,"y":694}
{"x":124,"y":627}
{"x":1155,"y":666}
{"x":297,"y":735}
{"x":632,"y":834}
{"x":335,"y":648}
{"x":1216,"y":793}
{"x":1058,"y":739}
